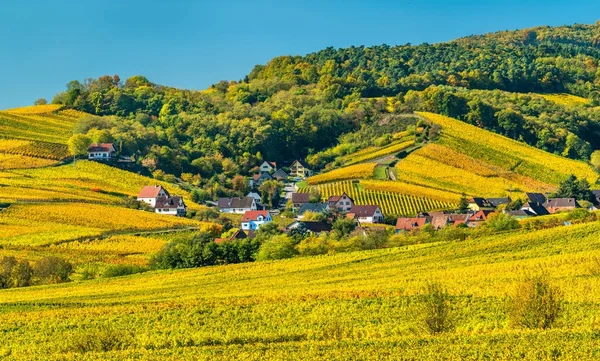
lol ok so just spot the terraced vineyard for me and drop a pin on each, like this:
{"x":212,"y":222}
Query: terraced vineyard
{"x":378,"y":152}
{"x":364,"y":170}
{"x":391,"y":203}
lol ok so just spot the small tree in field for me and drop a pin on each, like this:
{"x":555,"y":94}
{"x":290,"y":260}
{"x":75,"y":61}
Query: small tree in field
{"x":437,"y":311}
{"x":536,"y":304}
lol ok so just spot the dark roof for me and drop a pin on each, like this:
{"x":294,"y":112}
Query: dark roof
{"x":407,"y":224}
{"x":300,"y":197}
{"x":315,"y":227}
{"x":363,"y":211}
{"x":312,"y":207}
{"x":168,"y":202}
{"x":151,"y":191}
{"x":536,"y":198}
{"x":101,"y":147}
{"x":495,"y":202}
{"x":300,"y":162}
{"x":536,"y":208}
{"x":480,"y":202}
{"x":521,"y":213}
{"x":279,"y":173}
{"x":561,"y":202}
{"x":235,"y":202}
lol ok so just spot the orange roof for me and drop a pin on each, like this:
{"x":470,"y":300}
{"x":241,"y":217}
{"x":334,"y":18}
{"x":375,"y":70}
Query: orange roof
{"x":408,"y":224}
{"x":253,"y":215}
{"x":151,"y":191}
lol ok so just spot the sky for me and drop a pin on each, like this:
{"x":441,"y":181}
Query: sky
{"x":44,"y":44}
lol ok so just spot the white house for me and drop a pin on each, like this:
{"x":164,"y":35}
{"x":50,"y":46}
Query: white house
{"x":237,"y":205}
{"x":252,"y":220}
{"x":172,"y":206}
{"x":268,"y":167}
{"x":101,"y":151}
{"x":342,"y":203}
{"x":366,"y":214}
{"x":149,"y":194}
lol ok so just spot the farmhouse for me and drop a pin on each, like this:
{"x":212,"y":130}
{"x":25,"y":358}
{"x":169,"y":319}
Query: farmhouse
{"x":299,"y":199}
{"x":312,"y":207}
{"x":236,"y":205}
{"x":253,"y":220}
{"x":268,"y":167}
{"x":161,"y":201}
{"x":366,"y":214}
{"x":150,"y":194}
{"x":299,"y":169}
{"x":311,"y":227}
{"x":101,"y":151}
{"x":259,"y":178}
{"x":342,"y":203}
{"x":173,"y":206}
{"x":409,"y":224}
{"x":554,"y":205}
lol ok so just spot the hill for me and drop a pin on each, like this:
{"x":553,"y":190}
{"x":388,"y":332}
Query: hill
{"x":358,"y":305}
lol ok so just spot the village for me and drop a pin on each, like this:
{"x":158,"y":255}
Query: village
{"x":323,"y":212}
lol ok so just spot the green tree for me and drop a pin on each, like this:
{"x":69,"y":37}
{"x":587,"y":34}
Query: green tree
{"x":277,"y":247}
{"x":271,"y":192}
{"x":463,"y":204}
{"x":78,"y":145}
{"x":575,"y":188}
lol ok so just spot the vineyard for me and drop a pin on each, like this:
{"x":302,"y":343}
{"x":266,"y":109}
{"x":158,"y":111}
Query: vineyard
{"x":567,"y":100}
{"x":390,"y":202}
{"x":365,"y":170}
{"x":360,"y":305}
{"x":374,"y":152}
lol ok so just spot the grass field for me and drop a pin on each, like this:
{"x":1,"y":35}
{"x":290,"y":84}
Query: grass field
{"x":362,"y":305}
{"x":380,"y":193}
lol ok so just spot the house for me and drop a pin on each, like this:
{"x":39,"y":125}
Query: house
{"x":150,"y":194}
{"x":366,"y":214}
{"x":342,"y":203}
{"x":300,"y":169}
{"x":237,"y":205}
{"x":536,"y":198}
{"x":478,"y":217}
{"x":476,"y":204}
{"x":173,"y":206}
{"x":259,"y":178}
{"x":409,"y":224}
{"x":268,"y":167}
{"x":101,"y":151}
{"x":280,"y":175}
{"x":239,"y":234}
{"x":252,"y":220}
{"x":439,"y":220}
{"x":254,"y":194}
{"x":298,"y":199}
{"x":312,"y":207}
{"x":458,"y":219}
{"x":536,"y":209}
{"x":554,"y":205}
{"x":521,"y":214}
{"x":311,"y":227}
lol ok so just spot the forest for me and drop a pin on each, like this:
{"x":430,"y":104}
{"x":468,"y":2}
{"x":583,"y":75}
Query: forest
{"x":299,"y":107}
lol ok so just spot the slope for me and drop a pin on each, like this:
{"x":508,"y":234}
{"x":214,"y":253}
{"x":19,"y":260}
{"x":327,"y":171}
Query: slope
{"x":356,"y":305}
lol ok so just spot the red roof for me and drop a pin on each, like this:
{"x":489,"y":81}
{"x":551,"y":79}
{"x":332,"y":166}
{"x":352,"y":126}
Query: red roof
{"x":253,"y":215}
{"x":151,"y":191}
{"x":407,"y":224}
{"x":101,"y":147}
{"x":335,"y":199}
{"x":480,"y":216}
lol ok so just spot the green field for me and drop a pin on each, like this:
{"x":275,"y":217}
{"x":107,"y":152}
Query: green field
{"x":362,"y":305}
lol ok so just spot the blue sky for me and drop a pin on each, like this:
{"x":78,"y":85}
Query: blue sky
{"x":192,"y":44}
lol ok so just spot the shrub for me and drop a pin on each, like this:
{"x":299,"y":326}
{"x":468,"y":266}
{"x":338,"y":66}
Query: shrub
{"x":278,"y":247}
{"x":101,"y":339}
{"x":14,"y":273}
{"x":536,"y":304}
{"x":52,"y":270}
{"x":119,"y":270}
{"x":437,"y":311}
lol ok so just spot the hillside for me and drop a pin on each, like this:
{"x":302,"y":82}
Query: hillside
{"x":357,"y":305}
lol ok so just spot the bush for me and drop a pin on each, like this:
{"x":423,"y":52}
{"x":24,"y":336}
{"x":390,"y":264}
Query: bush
{"x":52,"y":270}
{"x":119,"y":270}
{"x":536,"y":304}
{"x":498,"y":222}
{"x":101,"y":339}
{"x":437,"y":311}
{"x":14,"y":273}
{"x":278,"y":247}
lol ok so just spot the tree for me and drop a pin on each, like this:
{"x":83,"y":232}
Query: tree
{"x":52,"y":270}
{"x":40,"y":101}
{"x":78,"y":145}
{"x":315,"y":195}
{"x":511,"y":122}
{"x":240,"y":185}
{"x":277,"y":247}
{"x":271,"y":192}
{"x":344,"y":225}
{"x":463,"y":204}
{"x":595,"y":159}
{"x":575,"y":188}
